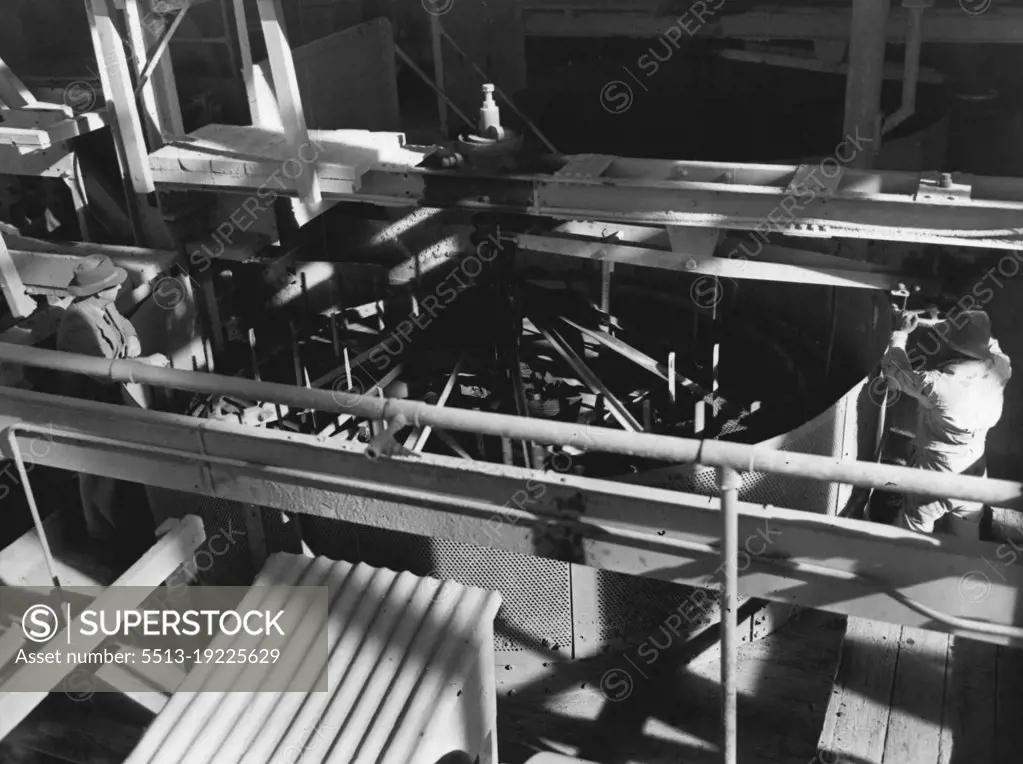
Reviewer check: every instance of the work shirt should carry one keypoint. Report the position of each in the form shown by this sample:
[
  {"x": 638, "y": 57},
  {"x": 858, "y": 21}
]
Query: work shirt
[
  {"x": 90, "y": 328},
  {"x": 957, "y": 403}
]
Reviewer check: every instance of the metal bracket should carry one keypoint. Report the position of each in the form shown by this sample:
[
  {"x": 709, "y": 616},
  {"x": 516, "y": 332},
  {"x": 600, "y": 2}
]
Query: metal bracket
[
  {"x": 811, "y": 174},
  {"x": 697, "y": 243},
  {"x": 940, "y": 187},
  {"x": 586, "y": 166},
  {"x": 808, "y": 230}
]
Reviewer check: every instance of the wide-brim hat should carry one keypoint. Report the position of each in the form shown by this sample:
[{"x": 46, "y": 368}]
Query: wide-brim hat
[
  {"x": 969, "y": 331},
  {"x": 94, "y": 274}
]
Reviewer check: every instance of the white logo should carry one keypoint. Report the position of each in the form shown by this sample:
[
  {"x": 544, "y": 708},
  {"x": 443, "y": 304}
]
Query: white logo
[{"x": 40, "y": 623}]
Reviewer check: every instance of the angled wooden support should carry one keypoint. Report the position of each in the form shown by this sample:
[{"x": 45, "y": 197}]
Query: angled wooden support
[
  {"x": 12, "y": 91},
  {"x": 147, "y": 221},
  {"x": 416, "y": 441},
  {"x": 282, "y": 66},
  {"x": 44, "y": 126},
  {"x": 22, "y": 564},
  {"x": 20, "y": 304},
  {"x": 162, "y": 44},
  {"x": 159, "y": 91},
  {"x": 130, "y": 590},
  {"x": 591, "y": 380},
  {"x": 248, "y": 71}
]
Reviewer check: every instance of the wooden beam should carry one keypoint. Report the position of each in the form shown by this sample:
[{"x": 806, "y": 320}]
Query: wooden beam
[
  {"x": 591, "y": 380},
  {"x": 151, "y": 689},
  {"x": 970, "y": 703},
  {"x": 12, "y": 90},
  {"x": 22, "y": 564},
  {"x": 794, "y": 557},
  {"x": 914, "y": 725},
  {"x": 248, "y": 72},
  {"x": 1009, "y": 703},
  {"x": 18, "y": 302},
  {"x": 160, "y": 93},
  {"x": 42, "y": 129},
  {"x": 132, "y": 154},
  {"x": 53, "y": 162},
  {"x": 117, "y": 89},
  {"x": 260, "y": 162},
  {"x": 271, "y": 15},
  {"x": 857, "y": 716},
  {"x": 129, "y": 591}
]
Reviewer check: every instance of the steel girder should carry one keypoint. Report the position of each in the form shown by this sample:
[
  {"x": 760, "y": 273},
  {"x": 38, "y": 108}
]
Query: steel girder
[
  {"x": 817, "y": 201},
  {"x": 844, "y": 566},
  {"x": 763, "y": 199}
]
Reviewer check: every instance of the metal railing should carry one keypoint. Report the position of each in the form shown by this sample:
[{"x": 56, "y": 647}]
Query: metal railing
[{"x": 730, "y": 458}]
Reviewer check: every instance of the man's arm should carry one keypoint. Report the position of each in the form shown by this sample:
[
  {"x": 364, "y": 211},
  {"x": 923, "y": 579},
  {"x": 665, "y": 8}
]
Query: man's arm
[
  {"x": 1003, "y": 367},
  {"x": 899, "y": 372}
]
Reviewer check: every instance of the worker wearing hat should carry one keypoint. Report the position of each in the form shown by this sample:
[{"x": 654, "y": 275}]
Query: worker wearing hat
[
  {"x": 93, "y": 326},
  {"x": 959, "y": 400}
]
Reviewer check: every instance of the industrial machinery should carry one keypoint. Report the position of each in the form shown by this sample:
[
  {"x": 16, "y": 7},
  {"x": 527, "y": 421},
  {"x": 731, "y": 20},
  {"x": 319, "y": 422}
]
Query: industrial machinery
[{"x": 586, "y": 388}]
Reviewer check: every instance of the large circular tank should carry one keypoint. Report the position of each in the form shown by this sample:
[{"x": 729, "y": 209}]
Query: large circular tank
[{"x": 804, "y": 353}]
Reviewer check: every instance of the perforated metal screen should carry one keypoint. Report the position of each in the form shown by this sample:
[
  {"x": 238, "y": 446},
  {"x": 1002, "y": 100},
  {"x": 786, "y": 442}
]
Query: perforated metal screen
[
  {"x": 632, "y": 608},
  {"x": 537, "y": 605}
]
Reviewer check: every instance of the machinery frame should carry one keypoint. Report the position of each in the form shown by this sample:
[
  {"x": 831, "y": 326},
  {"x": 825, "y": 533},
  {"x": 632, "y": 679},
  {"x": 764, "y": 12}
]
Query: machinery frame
[{"x": 845, "y": 566}]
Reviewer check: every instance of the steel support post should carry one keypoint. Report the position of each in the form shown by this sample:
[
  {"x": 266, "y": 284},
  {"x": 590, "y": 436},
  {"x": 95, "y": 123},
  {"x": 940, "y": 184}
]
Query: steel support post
[
  {"x": 729, "y": 482},
  {"x": 866, "y": 74}
]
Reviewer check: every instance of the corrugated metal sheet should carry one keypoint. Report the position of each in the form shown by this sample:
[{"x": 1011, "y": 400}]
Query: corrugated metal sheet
[{"x": 404, "y": 653}]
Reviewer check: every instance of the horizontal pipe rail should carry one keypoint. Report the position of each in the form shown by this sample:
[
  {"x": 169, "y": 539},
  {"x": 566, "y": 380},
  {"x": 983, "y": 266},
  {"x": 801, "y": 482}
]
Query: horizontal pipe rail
[
  {"x": 909, "y": 573},
  {"x": 481, "y": 508},
  {"x": 739, "y": 456}
]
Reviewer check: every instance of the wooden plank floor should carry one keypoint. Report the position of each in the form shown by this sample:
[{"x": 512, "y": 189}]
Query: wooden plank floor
[
  {"x": 673, "y": 714},
  {"x": 901, "y": 696},
  {"x": 911, "y": 696},
  {"x": 785, "y": 680}
]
